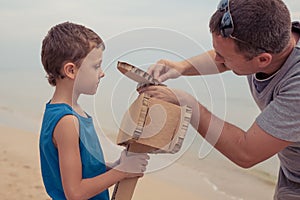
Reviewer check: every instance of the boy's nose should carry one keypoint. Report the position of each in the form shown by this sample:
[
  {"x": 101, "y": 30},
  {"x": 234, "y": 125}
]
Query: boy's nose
[{"x": 101, "y": 74}]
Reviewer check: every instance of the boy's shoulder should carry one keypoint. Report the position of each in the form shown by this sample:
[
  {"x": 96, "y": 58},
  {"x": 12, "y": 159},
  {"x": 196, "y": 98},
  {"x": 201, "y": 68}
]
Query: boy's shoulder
[
  {"x": 54, "y": 111},
  {"x": 58, "y": 107}
]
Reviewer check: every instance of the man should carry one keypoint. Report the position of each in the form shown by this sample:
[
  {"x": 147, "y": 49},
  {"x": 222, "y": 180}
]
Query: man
[{"x": 254, "y": 38}]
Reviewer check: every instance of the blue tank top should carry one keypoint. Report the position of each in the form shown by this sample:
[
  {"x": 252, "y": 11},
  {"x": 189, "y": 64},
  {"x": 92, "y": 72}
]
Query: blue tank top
[{"x": 92, "y": 158}]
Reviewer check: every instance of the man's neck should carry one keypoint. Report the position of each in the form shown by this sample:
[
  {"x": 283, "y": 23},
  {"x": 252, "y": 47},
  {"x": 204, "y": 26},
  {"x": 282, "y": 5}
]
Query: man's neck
[
  {"x": 280, "y": 58},
  {"x": 296, "y": 37}
]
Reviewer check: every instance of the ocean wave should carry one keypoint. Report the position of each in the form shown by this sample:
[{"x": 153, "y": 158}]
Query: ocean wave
[
  {"x": 18, "y": 119},
  {"x": 216, "y": 189}
]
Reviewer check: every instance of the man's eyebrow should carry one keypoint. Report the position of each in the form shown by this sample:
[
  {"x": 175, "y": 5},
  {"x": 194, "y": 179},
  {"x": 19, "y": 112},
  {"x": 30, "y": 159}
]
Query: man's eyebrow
[{"x": 218, "y": 54}]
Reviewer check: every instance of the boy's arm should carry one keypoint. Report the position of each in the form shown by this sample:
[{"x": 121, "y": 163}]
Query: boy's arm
[
  {"x": 111, "y": 165},
  {"x": 66, "y": 138}
]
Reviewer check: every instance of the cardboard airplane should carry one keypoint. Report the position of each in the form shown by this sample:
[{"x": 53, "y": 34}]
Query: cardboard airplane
[{"x": 149, "y": 126}]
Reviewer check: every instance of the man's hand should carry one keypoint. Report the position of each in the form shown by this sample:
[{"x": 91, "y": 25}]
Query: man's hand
[
  {"x": 165, "y": 69},
  {"x": 175, "y": 96}
]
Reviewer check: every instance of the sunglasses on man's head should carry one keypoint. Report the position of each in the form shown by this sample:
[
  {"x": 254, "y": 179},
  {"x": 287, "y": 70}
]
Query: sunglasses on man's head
[{"x": 226, "y": 24}]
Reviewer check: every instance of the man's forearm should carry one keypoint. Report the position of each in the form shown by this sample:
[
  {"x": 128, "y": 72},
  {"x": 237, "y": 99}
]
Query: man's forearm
[
  {"x": 203, "y": 64},
  {"x": 225, "y": 137}
]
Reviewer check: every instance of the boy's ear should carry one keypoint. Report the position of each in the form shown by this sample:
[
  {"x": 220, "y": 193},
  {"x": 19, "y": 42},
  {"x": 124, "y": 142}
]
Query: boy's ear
[{"x": 70, "y": 70}]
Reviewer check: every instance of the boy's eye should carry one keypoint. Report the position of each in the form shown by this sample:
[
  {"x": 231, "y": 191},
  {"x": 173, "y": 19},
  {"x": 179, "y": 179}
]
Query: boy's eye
[{"x": 97, "y": 66}]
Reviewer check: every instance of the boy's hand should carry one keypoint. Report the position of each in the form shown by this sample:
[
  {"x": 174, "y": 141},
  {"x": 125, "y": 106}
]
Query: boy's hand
[{"x": 133, "y": 164}]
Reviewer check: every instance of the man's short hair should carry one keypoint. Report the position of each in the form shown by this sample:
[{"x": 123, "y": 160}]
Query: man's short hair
[{"x": 261, "y": 23}]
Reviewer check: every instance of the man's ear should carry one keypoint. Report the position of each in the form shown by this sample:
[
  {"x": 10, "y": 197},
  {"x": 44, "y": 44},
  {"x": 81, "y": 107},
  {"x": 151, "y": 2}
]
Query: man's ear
[
  {"x": 264, "y": 60},
  {"x": 70, "y": 70}
]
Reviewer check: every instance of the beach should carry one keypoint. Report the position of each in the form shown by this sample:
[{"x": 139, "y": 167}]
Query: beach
[
  {"x": 21, "y": 178},
  {"x": 19, "y": 166}
]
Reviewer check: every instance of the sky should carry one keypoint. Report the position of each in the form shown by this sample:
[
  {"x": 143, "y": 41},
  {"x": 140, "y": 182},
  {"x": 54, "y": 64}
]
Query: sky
[{"x": 25, "y": 23}]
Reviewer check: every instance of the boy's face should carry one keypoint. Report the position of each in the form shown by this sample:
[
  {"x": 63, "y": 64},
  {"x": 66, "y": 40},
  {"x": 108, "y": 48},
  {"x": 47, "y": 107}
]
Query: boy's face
[{"x": 89, "y": 73}]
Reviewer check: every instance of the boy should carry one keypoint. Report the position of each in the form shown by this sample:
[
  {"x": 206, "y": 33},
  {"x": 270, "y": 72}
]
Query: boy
[{"x": 71, "y": 157}]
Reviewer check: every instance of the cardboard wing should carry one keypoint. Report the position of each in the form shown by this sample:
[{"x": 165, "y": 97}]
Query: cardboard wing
[{"x": 141, "y": 77}]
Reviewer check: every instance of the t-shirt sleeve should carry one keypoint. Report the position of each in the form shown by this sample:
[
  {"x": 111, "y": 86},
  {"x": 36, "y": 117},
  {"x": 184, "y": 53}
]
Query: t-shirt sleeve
[{"x": 281, "y": 118}]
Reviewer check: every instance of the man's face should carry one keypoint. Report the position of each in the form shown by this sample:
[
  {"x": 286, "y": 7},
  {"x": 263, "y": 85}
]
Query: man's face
[{"x": 227, "y": 54}]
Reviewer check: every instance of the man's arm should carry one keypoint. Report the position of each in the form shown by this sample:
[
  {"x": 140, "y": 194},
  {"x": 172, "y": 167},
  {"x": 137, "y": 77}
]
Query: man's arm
[
  {"x": 243, "y": 148},
  {"x": 202, "y": 64}
]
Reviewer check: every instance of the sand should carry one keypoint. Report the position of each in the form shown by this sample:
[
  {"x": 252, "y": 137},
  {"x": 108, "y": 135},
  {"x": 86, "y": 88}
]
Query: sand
[
  {"x": 21, "y": 177},
  {"x": 19, "y": 166}
]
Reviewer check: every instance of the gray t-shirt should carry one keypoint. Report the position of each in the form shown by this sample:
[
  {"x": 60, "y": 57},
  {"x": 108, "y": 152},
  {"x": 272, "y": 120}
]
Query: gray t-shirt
[{"x": 279, "y": 100}]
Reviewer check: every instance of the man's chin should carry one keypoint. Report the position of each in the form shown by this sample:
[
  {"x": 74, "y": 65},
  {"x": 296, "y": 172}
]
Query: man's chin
[{"x": 239, "y": 73}]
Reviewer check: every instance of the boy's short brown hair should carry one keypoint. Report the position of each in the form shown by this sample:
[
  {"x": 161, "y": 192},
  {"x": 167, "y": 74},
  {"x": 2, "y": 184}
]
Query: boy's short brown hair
[{"x": 67, "y": 42}]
